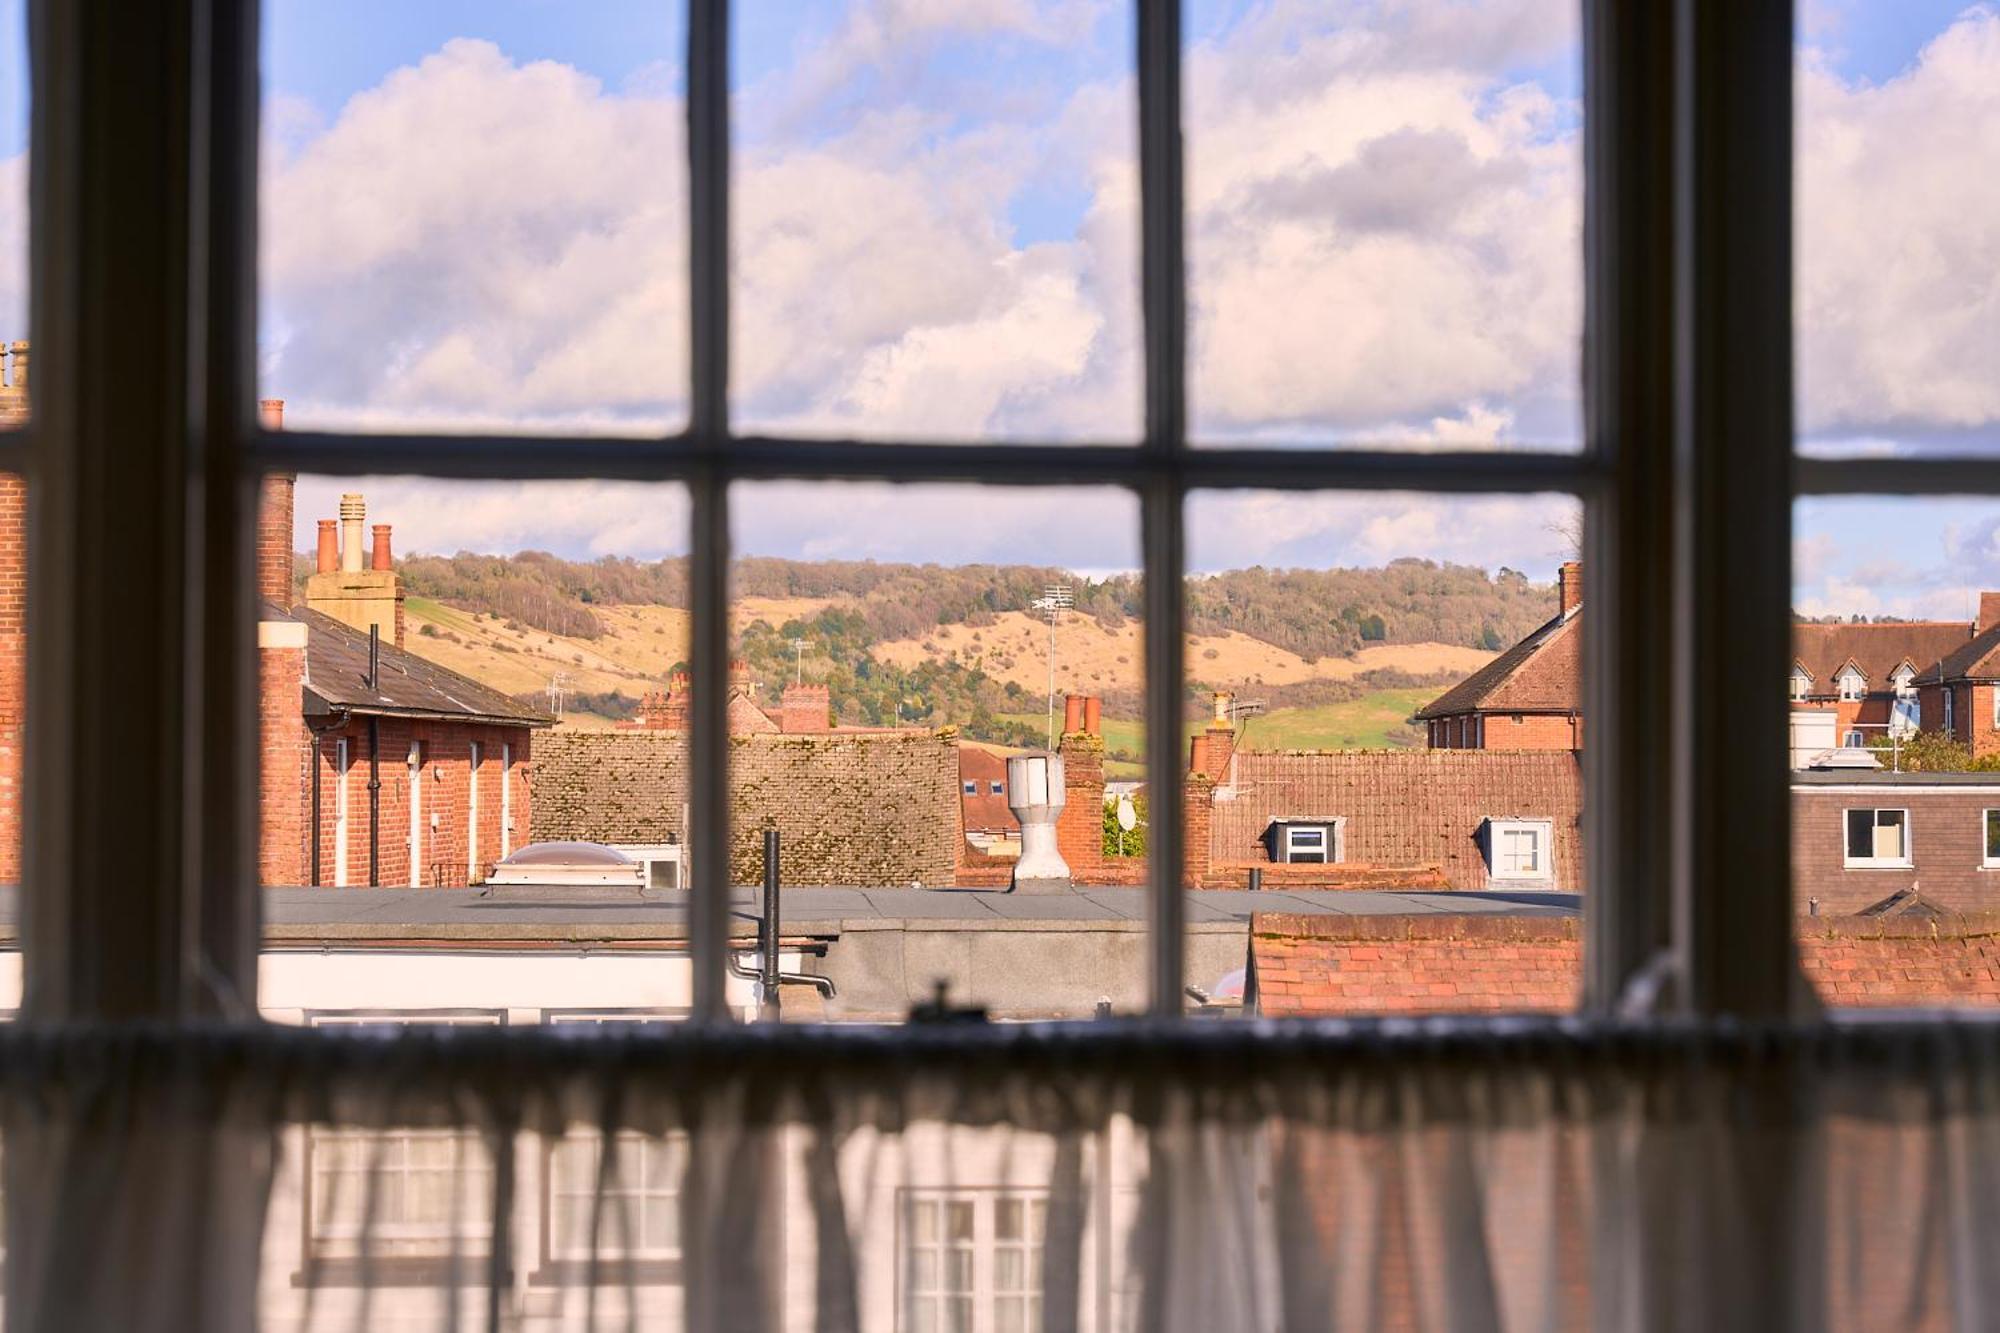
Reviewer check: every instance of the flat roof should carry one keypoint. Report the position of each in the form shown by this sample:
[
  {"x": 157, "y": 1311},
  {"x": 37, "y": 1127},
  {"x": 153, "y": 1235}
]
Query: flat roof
[{"x": 1870, "y": 777}]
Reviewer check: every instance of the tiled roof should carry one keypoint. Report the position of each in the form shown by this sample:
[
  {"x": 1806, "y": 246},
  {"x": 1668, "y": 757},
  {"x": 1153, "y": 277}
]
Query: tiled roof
[
  {"x": 1974, "y": 659},
  {"x": 984, "y": 812},
  {"x": 407, "y": 685},
  {"x": 1877, "y": 649},
  {"x": 1406, "y": 807},
  {"x": 1537, "y": 675}
]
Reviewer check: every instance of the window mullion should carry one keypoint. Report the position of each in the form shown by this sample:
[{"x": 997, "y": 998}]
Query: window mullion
[
  {"x": 1732, "y": 462},
  {"x": 1163, "y": 289},
  {"x": 708, "y": 553}
]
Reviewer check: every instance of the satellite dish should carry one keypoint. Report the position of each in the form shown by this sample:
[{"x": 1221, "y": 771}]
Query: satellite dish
[{"x": 1128, "y": 818}]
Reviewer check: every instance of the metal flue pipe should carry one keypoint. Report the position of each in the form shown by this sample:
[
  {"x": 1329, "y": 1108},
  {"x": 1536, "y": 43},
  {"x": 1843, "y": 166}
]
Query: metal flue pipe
[{"x": 767, "y": 929}]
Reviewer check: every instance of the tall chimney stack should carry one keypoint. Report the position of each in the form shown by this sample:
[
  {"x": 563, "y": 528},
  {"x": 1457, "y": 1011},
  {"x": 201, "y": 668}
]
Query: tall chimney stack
[
  {"x": 1989, "y": 612},
  {"x": 1569, "y": 584},
  {"x": 353, "y": 512},
  {"x": 379, "y": 558},
  {"x": 329, "y": 547}
]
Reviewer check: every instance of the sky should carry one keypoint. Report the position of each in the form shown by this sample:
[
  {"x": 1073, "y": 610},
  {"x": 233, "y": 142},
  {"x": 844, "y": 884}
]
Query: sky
[{"x": 473, "y": 216}]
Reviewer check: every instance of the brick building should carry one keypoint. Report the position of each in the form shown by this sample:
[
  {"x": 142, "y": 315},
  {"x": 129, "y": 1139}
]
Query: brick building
[
  {"x": 982, "y": 780},
  {"x": 1905, "y": 842},
  {"x": 1868, "y": 675},
  {"x": 1961, "y": 693},
  {"x": 1861, "y": 681},
  {"x": 377, "y": 766},
  {"x": 13, "y": 613},
  {"x": 1529, "y": 697}
]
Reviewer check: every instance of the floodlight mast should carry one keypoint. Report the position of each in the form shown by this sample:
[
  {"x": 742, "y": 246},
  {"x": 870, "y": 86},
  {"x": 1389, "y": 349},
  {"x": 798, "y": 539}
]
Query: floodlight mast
[{"x": 1056, "y": 598}]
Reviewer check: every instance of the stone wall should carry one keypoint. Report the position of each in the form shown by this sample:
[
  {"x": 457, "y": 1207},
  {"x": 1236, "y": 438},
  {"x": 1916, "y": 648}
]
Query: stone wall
[{"x": 874, "y": 809}]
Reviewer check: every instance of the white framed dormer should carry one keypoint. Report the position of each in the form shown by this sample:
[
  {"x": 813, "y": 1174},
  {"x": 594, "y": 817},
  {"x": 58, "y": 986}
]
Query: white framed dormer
[
  {"x": 1802, "y": 683},
  {"x": 1875, "y": 838},
  {"x": 1904, "y": 681},
  {"x": 1309, "y": 840},
  {"x": 1520, "y": 851},
  {"x": 1851, "y": 683}
]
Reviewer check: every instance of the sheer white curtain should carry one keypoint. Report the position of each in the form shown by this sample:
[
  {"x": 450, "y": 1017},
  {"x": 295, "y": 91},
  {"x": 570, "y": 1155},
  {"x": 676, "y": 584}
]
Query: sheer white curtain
[{"x": 1543, "y": 1175}]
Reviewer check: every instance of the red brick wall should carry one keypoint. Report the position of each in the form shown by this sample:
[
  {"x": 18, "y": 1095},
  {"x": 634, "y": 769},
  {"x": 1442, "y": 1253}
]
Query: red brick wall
[
  {"x": 1946, "y": 840},
  {"x": 13, "y": 667},
  {"x": 1533, "y": 731},
  {"x": 284, "y": 760},
  {"x": 274, "y": 540},
  {"x": 1080, "y": 826},
  {"x": 446, "y": 795},
  {"x": 1308, "y": 966}
]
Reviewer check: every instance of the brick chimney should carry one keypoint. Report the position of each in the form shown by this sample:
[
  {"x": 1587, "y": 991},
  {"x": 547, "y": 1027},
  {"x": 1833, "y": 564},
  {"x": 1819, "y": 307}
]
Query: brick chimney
[
  {"x": 13, "y": 661},
  {"x": 358, "y": 595},
  {"x": 1989, "y": 612},
  {"x": 274, "y": 540},
  {"x": 13, "y": 384},
  {"x": 328, "y": 559},
  {"x": 1210, "y": 752},
  {"x": 1569, "y": 585},
  {"x": 379, "y": 559},
  {"x": 805, "y": 710}
]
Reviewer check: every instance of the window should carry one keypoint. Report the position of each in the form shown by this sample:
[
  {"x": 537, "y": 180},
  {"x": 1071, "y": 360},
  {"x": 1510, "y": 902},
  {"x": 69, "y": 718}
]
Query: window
[
  {"x": 415, "y": 765},
  {"x": 1994, "y": 693},
  {"x": 971, "y": 787},
  {"x": 1519, "y": 848},
  {"x": 1990, "y": 858},
  {"x": 1905, "y": 681},
  {"x": 1801, "y": 685},
  {"x": 472, "y": 815},
  {"x": 1853, "y": 739},
  {"x": 972, "y": 1261},
  {"x": 639, "y": 1217},
  {"x": 1950, "y": 710},
  {"x": 1318, "y": 844},
  {"x": 998, "y": 788},
  {"x": 415, "y": 1194},
  {"x": 1853, "y": 685},
  {"x": 1877, "y": 839},
  {"x": 341, "y": 783},
  {"x": 506, "y": 798}
]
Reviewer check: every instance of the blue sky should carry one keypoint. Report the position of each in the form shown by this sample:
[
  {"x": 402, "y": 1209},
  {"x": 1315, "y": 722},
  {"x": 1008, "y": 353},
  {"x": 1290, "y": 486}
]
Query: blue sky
[{"x": 963, "y": 84}]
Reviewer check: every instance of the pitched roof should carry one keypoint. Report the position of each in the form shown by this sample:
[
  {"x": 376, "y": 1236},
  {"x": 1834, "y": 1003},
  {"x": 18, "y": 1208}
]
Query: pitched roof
[
  {"x": 1877, "y": 649},
  {"x": 1405, "y": 807},
  {"x": 1537, "y": 675},
  {"x": 984, "y": 812},
  {"x": 407, "y": 685},
  {"x": 1974, "y": 659}
]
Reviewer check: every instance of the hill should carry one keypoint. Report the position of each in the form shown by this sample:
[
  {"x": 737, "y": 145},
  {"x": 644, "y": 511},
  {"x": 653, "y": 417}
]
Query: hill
[{"x": 934, "y": 644}]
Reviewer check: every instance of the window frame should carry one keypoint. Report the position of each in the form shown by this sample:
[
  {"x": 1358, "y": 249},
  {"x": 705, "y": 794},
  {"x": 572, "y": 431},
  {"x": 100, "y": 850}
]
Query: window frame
[
  {"x": 1687, "y": 475},
  {"x": 984, "y": 1293},
  {"x": 1544, "y": 831},
  {"x": 1908, "y": 860},
  {"x": 1987, "y": 860}
]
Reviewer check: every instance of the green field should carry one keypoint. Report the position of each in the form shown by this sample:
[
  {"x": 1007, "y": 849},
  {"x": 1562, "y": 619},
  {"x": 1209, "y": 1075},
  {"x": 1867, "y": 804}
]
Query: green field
[{"x": 1355, "y": 724}]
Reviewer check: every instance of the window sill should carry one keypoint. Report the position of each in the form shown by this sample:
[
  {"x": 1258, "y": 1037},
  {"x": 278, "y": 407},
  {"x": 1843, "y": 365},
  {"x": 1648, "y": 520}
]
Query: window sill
[
  {"x": 1878, "y": 865},
  {"x": 468, "y": 1270}
]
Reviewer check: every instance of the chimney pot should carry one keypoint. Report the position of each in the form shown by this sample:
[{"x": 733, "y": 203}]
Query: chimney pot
[
  {"x": 379, "y": 559},
  {"x": 329, "y": 547},
  {"x": 1093, "y": 714},
  {"x": 1569, "y": 585},
  {"x": 1989, "y": 611},
  {"x": 353, "y": 512},
  {"x": 271, "y": 413},
  {"x": 1072, "y": 713},
  {"x": 18, "y": 377},
  {"x": 1223, "y": 698}
]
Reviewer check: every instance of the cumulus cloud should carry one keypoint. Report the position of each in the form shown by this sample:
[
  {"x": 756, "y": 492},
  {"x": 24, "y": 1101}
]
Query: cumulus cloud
[
  {"x": 13, "y": 247},
  {"x": 580, "y": 520},
  {"x": 1320, "y": 530},
  {"x": 1899, "y": 240}
]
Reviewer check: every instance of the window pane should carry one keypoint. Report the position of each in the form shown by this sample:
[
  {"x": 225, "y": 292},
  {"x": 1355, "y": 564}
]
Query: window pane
[
  {"x": 527, "y": 637},
  {"x": 1892, "y": 837},
  {"x": 1384, "y": 752},
  {"x": 893, "y": 643},
  {"x": 474, "y": 216},
  {"x": 1897, "y": 221},
  {"x": 935, "y": 214},
  {"x": 1384, "y": 223},
  {"x": 14, "y": 94}
]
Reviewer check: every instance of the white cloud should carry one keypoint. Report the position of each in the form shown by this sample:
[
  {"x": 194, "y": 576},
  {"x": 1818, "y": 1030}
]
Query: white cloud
[
  {"x": 579, "y": 520},
  {"x": 1229, "y": 530},
  {"x": 1898, "y": 200},
  {"x": 13, "y": 247}
]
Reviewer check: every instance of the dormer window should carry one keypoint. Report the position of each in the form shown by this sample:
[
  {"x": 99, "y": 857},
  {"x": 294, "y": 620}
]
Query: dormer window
[
  {"x": 1905, "y": 681},
  {"x": 1853, "y": 685},
  {"x": 1801, "y": 684}
]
